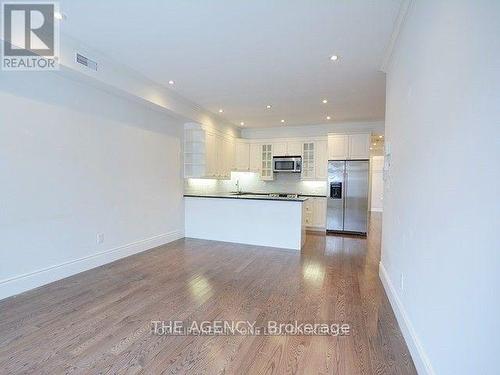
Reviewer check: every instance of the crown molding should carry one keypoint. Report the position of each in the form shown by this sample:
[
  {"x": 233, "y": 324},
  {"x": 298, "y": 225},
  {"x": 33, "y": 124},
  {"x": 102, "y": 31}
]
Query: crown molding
[{"x": 403, "y": 12}]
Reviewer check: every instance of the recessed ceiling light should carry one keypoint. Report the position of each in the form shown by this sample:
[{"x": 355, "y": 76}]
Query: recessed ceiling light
[
  {"x": 221, "y": 110},
  {"x": 325, "y": 101},
  {"x": 242, "y": 123},
  {"x": 268, "y": 106},
  {"x": 171, "y": 82},
  {"x": 328, "y": 118},
  {"x": 282, "y": 121},
  {"x": 334, "y": 57},
  {"x": 381, "y": 136},
  {"x": 374, "y": 144}
]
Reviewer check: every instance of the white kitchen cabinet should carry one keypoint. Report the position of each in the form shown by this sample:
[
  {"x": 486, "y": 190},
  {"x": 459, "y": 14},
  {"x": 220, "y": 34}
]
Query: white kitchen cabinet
[
  {"x": 279, "y": 149},
  {"x": 308, "y": 164},
  {"x": 338, "y": 146},
  {"x": 211, "y": 156},
  {"x": 294, "y": 148},
  {"x": 226, "y": 157},
  {"x": 314, "y": 153},
  {"x": 319, "y": 212},
  {"x": 348, "y": 146},
  {"x": 359, "y": 146},
  {"x": 195, "y": 163},
  {"x": 308, "y": 212},
  {"x": 266, "y": 168},
  {"x": 207, "y": 154},
  {"x": 315, "y": 213},
  {"x": 255, "y": 157},
  {"x": 218, "y": 157},
  {"x": 242, "y": 156},
  {"x": 321, "y": 160}
]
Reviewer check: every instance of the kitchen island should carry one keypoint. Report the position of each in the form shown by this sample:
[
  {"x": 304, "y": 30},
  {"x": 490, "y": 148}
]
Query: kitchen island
[{"x": 247, "y": 218}]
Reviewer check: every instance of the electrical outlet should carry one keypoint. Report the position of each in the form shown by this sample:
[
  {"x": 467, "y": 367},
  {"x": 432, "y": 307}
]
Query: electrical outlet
[
  {"x": 100, "y": 238},
  {"x": 402, "y": 282}
]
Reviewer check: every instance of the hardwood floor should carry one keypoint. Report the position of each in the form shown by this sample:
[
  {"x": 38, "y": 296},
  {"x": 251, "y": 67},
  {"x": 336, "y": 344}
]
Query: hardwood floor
[{"x": 99, "y": 321}]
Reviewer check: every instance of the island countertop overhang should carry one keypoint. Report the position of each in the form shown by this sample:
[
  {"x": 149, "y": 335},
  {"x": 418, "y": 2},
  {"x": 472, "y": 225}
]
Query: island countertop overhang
[{"x": 262, "y": 197}]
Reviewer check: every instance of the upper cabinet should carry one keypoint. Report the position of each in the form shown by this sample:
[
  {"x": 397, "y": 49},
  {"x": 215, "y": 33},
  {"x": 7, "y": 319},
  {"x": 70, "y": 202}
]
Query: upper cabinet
[
  {"x": 314, "y": 160},
  {"x": 212, "y": 154},
  {"x": 242, "y": 156},
  {"x": 359, "y": 146},
  {"x": 195, "y": 152},
  {"x": 308, "y": 161},
  {"x": 279, "y": 149},
  {"x": 207, "y": 154},
  {"x": 255, "y": 157},
  {"x": 321, "y": 160},
  {"x": 266, "y": 170},
  {"x": 227, "y": 155},
  {"x": 212, "y": 143},
  {"x": 338, "y": 147},
  {"x": 348, "y": 146},
  {"x": 294, "y": 148}
]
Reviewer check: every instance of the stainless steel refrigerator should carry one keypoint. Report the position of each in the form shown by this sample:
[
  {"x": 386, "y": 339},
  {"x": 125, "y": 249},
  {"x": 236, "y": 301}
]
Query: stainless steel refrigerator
[{"x": 347, "y": 210}]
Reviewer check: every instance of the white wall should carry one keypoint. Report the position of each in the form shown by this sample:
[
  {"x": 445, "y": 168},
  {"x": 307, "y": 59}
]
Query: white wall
[
  {"x": 76, "y": 161},
  {"x": 377, "y": 183},
  {"x": 441, "y": 205},
  {"x": 313, "y": 130}
]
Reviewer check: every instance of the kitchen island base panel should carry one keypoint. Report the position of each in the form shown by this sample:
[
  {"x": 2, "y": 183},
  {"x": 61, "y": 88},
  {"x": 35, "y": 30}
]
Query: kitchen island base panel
[{"x": 252, "y": 222}]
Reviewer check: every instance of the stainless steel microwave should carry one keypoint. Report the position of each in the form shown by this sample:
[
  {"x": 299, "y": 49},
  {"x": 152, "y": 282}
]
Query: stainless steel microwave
[{"x": 291, "y": 164}]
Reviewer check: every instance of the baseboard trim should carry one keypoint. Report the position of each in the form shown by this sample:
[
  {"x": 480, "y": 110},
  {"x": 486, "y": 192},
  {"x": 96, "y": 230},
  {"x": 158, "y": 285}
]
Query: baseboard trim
[
  {"x": 420, "y": 358},
  {"x": 22, "y": 283}
]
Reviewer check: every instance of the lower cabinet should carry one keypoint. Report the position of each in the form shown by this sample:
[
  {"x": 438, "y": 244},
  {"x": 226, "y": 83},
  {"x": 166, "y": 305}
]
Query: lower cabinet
[{"x": 315, "y": 213}]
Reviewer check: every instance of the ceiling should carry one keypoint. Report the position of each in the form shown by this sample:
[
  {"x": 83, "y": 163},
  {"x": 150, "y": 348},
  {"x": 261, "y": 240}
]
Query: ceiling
[{"x": 240, "y": 55}]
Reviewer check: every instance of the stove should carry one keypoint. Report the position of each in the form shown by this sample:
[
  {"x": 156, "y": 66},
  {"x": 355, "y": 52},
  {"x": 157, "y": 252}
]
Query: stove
[{"x": 283, "y": 195}]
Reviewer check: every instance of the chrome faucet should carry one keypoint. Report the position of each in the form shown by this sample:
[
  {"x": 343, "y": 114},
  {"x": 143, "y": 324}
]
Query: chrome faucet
[{"x": 238, "y": 186}]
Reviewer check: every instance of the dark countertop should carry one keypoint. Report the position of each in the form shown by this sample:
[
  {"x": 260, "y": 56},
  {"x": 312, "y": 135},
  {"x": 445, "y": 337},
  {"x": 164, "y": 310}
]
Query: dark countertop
[{"x": 260, "y": 197}]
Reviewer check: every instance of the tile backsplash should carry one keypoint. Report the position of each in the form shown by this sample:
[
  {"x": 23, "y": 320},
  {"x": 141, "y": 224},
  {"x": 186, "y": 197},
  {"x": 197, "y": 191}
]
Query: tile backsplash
[{"x": 251, "y": 182}]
